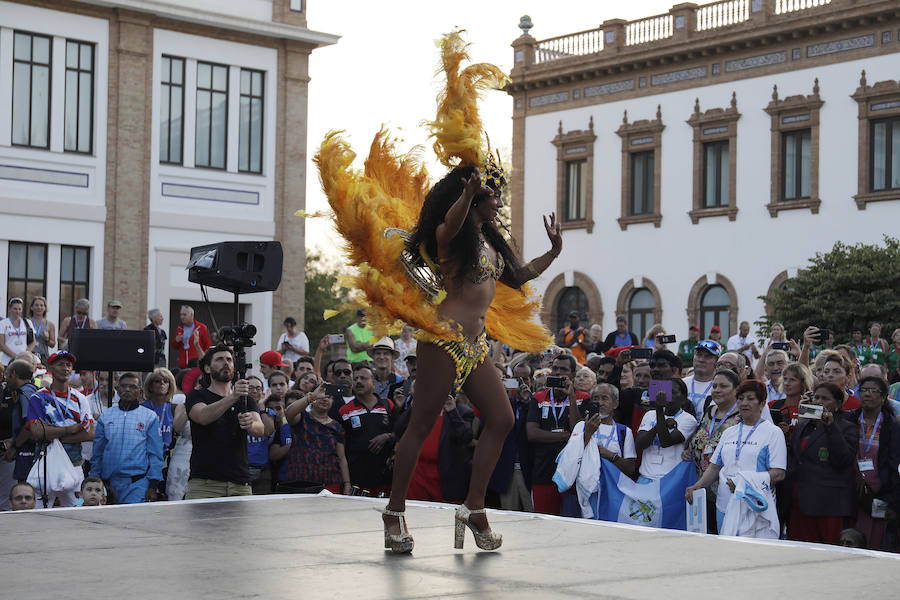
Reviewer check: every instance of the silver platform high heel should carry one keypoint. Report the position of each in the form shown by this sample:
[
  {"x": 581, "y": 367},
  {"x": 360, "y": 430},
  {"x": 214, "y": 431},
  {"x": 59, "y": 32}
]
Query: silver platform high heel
[
  {"x": 401, "y": 543},
  {"x": 485, "y": 541}
]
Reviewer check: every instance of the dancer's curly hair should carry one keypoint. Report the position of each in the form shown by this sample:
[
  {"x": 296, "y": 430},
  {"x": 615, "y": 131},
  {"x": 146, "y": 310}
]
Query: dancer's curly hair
[{"x": 465, "y": 246}]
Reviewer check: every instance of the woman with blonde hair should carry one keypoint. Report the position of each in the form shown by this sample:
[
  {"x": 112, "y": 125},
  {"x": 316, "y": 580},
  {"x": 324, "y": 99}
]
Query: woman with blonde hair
[
  {"x": 650, "y": 338},
  {"x": 159, "y": 387}
]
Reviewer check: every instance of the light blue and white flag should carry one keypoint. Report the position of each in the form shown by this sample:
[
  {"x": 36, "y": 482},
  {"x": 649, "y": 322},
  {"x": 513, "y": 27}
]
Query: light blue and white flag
[{"x": 647, "y": 502}]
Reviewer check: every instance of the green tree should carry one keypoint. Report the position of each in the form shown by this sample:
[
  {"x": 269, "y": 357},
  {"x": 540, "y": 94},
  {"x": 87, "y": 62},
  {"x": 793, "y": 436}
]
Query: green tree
[
  {"x": 323, "y": 292},
  {"x": 848, "y": 287}
]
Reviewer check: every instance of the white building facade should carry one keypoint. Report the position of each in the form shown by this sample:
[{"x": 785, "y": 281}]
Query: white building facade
[
  {"x": 698, "y": 159},
  {"x": 132, "y": 131}
]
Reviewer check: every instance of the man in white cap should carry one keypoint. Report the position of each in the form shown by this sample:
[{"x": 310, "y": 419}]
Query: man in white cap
[{"x": 383, "y": 354}]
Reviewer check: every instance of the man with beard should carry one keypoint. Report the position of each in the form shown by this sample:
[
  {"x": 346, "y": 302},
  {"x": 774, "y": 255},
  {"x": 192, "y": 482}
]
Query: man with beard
[
  {"x": 368, "y": 426},
  {"x": 128, "y": 449},
  {"x": 222, "y": 416}
]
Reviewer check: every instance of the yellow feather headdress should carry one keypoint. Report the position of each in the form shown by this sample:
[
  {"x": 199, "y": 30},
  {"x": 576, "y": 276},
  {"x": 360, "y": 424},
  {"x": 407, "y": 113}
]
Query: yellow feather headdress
[{"x": 369, "y": 206}]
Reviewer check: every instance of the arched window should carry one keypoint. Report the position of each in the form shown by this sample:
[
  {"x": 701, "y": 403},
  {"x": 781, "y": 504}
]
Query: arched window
[
  {"x": 571, "y": 298},
  {"x": 714, "y": 306},
  {"x": 641, "y": 305}
]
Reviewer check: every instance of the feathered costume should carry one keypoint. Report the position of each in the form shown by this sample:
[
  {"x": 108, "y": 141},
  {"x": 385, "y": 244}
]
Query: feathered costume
[{"x": 374, "y": 209}]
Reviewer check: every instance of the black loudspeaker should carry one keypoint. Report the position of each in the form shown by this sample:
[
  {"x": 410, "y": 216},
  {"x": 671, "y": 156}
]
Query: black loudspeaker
[
  {"x": 113, "y": 350},
  {"x": 238, "y": 267}
]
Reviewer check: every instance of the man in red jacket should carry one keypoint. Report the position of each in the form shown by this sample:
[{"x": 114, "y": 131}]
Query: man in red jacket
[{"x": 191, "y": 338}]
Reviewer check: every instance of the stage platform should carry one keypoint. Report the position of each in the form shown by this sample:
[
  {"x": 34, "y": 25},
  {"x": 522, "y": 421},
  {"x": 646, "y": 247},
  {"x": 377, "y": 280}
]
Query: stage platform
[{"x": 330, "y": 547}]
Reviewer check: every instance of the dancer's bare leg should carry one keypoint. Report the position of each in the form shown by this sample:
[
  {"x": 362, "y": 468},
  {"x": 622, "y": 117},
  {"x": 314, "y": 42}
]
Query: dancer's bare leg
[
  {"x": 485, "y": 389},
  {"x": 434, "y": 380}
]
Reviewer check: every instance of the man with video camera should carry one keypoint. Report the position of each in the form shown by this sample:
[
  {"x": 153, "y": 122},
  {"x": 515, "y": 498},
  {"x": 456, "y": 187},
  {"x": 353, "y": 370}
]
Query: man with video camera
[{"x": 222, "y": 416}]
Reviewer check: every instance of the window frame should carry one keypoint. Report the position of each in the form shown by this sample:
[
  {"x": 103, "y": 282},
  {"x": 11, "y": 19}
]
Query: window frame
[
  {"x": 715, "y": 125},
  {"x": 716, "y": 309},
  {"x": 789, "y": 115},
  {"x": 877, "y": 102},
  {"x": 717, "y": 146},
  {"x": 262, "y": 122},
  {"x": 78, "y": 71},
  {"x": 641, "y": 136},
  {"x": 211, "y": 91},
  {"x": 73, "y": 282},
  {"x": 699, "y": 289},
  {"x": 31, "y": 63},
  {"x": 893, "y": 122},
  {"x": 647, "y": 315},
  {"x": 798, "y": 135},
  {"x": 575, "y": 146},
  {"x": 166, "y": 95},
  {"x": 26, "y": 280}
]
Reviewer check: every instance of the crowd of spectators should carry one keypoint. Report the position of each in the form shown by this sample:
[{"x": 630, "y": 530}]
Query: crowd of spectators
[{"x": 328, "y": 417}]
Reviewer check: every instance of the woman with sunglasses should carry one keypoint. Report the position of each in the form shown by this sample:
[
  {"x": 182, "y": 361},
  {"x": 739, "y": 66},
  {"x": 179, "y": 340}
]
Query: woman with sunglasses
[{"x": 877, "y": 458}]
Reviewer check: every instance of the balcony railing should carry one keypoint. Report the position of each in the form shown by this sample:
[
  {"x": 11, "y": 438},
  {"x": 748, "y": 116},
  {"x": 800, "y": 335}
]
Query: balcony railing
[
  {"x": 788, "y": 6},
  {"x": 722, "y": 14},
  {"x": 574, "y": 44},
  {"x": 651, "y": 29},
  {"x": 682, "y": 22}
]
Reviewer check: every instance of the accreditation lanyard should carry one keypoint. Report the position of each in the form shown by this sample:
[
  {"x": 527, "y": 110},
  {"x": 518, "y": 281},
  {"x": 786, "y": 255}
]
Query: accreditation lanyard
[
  {"x": 705, "y": 392},
  {"x": 740, "y": 444},
  {"x": 62, "y": 411},
  {"x": 862, "y": 431},
  {"x": 562, "y": 407},
  {"x": 606, "y": 439},
  {"x": 773, "y": 392},
  {"x": 716, "y": 425}
]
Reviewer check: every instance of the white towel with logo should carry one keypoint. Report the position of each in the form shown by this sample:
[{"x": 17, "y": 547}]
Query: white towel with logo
[
  {"x": 751, "y": 509},
  {"x": 579, "y": 465}
]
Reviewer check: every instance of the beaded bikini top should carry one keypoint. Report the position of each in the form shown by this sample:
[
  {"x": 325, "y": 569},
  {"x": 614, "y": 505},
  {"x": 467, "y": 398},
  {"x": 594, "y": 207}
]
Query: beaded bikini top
[{"x": 485, "y": 269}]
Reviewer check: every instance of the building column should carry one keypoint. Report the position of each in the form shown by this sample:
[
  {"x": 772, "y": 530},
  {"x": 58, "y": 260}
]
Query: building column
[
  {"x": 126, "y": 234},
  {"x": 290, "y": 183}
]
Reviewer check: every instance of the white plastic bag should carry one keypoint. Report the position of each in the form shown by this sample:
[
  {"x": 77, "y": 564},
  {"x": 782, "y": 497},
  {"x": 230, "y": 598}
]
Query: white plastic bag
[{"x": 61, "y": 475}]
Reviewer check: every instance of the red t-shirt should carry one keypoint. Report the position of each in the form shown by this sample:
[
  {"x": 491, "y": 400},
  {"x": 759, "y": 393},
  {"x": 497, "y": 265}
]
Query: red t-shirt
[{"x": 429, "y": 452}]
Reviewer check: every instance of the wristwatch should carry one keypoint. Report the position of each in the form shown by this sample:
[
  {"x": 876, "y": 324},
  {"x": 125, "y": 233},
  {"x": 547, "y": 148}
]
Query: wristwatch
[{"x": 615, "y": 458}]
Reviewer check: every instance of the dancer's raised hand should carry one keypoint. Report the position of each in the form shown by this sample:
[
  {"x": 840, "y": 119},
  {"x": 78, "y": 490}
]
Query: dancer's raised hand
[{"x": 552, "y": 227}]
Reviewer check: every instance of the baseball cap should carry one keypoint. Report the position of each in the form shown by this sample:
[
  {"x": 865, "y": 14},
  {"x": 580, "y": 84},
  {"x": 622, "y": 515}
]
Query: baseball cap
[
  {"x": 61, "y": 354},
  {"x": 715, "y": 329},
  {"x": 693, "y": 328},
  {"x": 273, "y": 358},
  {"x": 114, "y": 303},
  {"x": 710, "y": 346}
]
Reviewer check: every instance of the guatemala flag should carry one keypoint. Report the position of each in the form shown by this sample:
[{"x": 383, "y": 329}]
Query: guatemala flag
[{"x": 647, "y": 502}]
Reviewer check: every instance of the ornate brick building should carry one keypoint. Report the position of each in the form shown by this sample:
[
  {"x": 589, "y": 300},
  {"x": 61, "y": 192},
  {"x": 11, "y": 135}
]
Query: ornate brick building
[
  {"x": 132, "y": 130},
  {"x": 699, "y": 157}
]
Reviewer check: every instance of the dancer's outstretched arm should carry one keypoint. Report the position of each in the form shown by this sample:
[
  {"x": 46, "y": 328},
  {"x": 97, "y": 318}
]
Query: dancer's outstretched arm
[{"x": 540, "y": 264}]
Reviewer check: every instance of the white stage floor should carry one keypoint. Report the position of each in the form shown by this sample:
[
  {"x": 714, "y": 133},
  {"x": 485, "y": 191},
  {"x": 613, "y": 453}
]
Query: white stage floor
[{"x": 330, "y": 547}]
